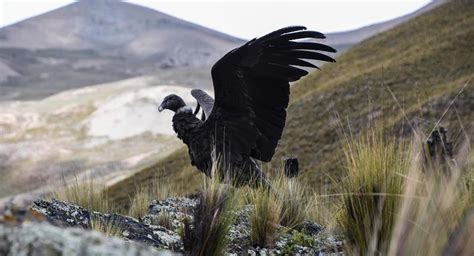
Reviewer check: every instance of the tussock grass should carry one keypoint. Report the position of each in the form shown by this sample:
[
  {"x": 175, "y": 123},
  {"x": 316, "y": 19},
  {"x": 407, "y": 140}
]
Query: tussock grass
[
  {"x": 265, "y": 216},
  {"x": 324, "y": 207},
  {"x": 85, "y": 192},
  {"x": 294, "y": 200},
  {"x": 213, "y": 218},
  {"x": 155, "y": 189},
  {"x": 164, "y": 219},
  {"x": 140, "y": 204},
  {"x": 372, "y": 191},
  {"x": 432, "y": 209},
  {"x": 392, "y": 204},
  {"x": 109, "y": 228}
]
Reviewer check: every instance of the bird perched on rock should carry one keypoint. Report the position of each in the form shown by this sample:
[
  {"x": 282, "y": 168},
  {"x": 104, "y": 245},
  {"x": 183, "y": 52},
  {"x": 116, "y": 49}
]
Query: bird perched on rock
[{"x": 251, "y": 85}]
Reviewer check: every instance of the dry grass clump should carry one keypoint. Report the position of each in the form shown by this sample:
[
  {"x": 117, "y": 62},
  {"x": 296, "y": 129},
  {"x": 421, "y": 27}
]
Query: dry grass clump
[
  {"x": 294, "y": 200},
  {"x": 164, "y": 219},
  {"x": 372, "y": 191},
  {"x": 85, "y": 192},
  {"x": 155, "y": 189},
  {"x": 433, "y": 207},
  {"x": 392, "y": 204},
  {"x": 265, "y": 216},
  {"x": 109, "y": 228},
  {"x": 213, "y": 218}
]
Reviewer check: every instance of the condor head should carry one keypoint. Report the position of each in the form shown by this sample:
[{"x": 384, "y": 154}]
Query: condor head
[{"x": 172, "y": 102}]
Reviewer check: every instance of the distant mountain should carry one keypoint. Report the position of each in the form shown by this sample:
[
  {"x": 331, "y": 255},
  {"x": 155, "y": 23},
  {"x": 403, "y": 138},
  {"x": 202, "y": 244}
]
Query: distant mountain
[
  {"x": 343, "y": 40},
  {"x": 97, "y": 41}
]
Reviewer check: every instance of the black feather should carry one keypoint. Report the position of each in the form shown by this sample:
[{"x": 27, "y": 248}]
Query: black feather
[
  {"x": 309, "y": 55},
  {"x": 251, "y": 86},
  {"x": 306, "y": 46},
  {"x": 297, "y": 35},
  {"x": 281, "y": 32}
]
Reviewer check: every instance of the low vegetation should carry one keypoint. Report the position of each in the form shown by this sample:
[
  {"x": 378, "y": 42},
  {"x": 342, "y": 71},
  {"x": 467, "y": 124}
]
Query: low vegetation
[
  {"x": 294, "y": 199},
  {"x": 154, "y": 189},
  {"x": 376, "y": 186},
  {"x": 396, "y": 200},
  {"x": 265, "y": 216},
  {"x": 425, "y": 62},
  {"x": 373, "y": 190},
  {"x": 392, "y": 197},
  {"x": 85, "y": 192},
  {"x": 109, "y": 228},
  {"x": 213, "y": 218}
]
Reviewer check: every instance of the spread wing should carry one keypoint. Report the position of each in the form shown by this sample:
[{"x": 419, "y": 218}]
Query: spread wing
[
  {"x": 204, "y": 100},
  {"x": 251, "y": 87}
]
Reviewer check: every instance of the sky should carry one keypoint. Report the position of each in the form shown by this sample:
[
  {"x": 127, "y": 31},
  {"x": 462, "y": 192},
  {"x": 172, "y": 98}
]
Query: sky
[{"x": 246, "y": 18}]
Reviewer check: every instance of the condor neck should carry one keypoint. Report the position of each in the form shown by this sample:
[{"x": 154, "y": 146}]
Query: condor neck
[{"x": 184, "y": 122}]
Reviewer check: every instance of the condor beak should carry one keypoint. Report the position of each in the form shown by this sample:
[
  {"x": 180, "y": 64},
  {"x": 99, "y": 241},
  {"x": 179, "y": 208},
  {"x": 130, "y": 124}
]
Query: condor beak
[{"x": 160, "y": 108}]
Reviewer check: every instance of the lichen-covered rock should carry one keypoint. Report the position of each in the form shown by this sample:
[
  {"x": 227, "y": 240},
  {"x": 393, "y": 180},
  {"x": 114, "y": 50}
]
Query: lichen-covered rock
[
  {"x": 42, "y": 239},
  {"x": 61, "y": 213},
  {"x": 175, "y": 209},
  {"x": 165, "y": 219}
]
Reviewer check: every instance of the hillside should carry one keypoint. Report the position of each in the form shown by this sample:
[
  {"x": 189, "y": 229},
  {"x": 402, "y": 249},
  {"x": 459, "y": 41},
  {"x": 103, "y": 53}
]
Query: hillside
[
  {"x": 344, "y": 40},
  {"x": 108, "y": 129},
  {"x": 425, "y": 62},
  {"x": 96, "y": 41}
]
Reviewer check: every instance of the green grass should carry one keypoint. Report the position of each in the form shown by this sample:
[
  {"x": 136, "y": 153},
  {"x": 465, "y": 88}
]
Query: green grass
[{"x": 371, "y": 194}]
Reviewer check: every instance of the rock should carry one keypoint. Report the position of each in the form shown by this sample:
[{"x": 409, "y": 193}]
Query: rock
[
  {"x": 62, "y": 214},
  {"x": 311, "y": 229},
  {"x": 165, "y": 221},
  {"x": 43, "y": 239},
  {"x": 175, "y": 209}
]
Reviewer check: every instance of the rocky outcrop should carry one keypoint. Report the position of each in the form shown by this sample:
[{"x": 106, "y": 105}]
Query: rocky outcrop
[
  {"x": 64, "y": 214},
  {"x": 57, "y": 227},
  {"x": 42, "y": 239}
]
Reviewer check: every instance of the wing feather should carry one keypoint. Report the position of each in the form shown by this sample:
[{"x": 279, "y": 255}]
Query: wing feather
[
  {"x": 204, "y": 100},
  {"x": 251, "y": 87}
]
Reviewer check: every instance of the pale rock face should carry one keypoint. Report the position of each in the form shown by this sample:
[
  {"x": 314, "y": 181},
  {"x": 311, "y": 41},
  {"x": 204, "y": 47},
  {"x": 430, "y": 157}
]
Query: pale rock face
[
  {"x": 44, "y": 239},
  {"x": 133, "y": 113},
  {"x": 108, "y": 129}
]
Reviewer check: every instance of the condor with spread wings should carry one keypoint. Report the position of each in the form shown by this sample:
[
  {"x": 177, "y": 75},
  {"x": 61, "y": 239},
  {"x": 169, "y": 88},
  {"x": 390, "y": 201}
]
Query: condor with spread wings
[{"x": 251, "y": 88}]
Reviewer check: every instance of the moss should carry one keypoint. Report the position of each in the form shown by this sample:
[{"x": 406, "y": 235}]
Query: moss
[{"x": 297, "y": 239}]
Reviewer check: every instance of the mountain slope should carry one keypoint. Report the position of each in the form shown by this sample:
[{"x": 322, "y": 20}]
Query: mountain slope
[
  {"x": 109, "y": 130},
  {"x": 97, "y": 41},
  {"x": 425, "y": 62},
  {"x": 343, "y": 40}
]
